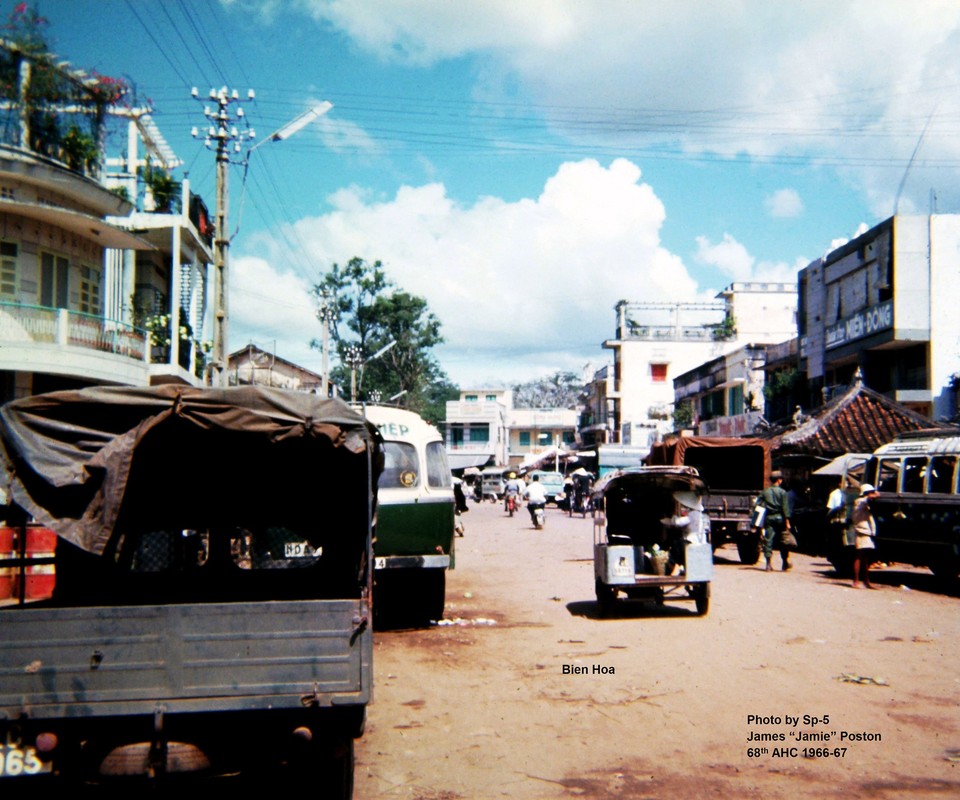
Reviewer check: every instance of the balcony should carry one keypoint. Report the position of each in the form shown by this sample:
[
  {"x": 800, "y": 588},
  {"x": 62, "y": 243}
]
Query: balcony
[
  {"x": 19, "y": 322},
  {"x": 71, "y": 343}
]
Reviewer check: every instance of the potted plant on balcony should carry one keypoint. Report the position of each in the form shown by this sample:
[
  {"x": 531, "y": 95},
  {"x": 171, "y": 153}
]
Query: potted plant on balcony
[
  {"x": 80, "y": 150},
  {"x": 162, "y": 186},
  {"x": 49, "y": 93}
]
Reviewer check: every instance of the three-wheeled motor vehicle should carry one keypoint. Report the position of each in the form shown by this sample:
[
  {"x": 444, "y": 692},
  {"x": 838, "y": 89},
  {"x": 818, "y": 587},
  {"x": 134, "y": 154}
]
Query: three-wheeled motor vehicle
[{"x": 651, "y": 537}]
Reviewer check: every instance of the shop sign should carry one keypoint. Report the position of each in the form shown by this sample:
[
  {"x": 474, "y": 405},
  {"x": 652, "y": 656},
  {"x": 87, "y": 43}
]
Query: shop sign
[{"x": 864, "y": 323}]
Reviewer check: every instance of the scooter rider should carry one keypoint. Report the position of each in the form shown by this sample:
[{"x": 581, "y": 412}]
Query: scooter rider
[
  {"x": 536, "y": 496},
  {"x": 514, "y": 487}
]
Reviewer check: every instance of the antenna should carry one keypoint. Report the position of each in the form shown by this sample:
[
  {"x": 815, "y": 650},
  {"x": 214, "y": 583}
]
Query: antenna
[{"x": 903, "y": 180}]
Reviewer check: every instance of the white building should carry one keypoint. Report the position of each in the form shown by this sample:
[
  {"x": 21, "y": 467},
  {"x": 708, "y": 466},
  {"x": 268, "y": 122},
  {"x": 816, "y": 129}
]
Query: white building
[
  {"x": 656, "y": 342},
  {"x": 69, "y": 272},
  {"x": 540, "y": 431},
  {"x": 886, "y": 302},
  {"x": 477, "y": 428}
]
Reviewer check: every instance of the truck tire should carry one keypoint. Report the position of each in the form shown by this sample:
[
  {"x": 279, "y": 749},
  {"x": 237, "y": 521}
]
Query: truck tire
[
  {"x": 336, "y": 772},
  {"x": 433, "y": 594},
  {"x": 701, "y": 596},
  {"x": 606, "y": 596},
  {"x": 409, "y": 597},
  {"x": 328, "y": 769},
  {"x": 748, "y": 548},
  {"x": 841, "y": 559},
  {"x": 947, "y": 570}
]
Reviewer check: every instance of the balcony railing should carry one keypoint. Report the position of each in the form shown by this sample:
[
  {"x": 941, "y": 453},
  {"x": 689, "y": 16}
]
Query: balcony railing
[
  {"x": 673, "y": 333},
  {"x": 45, "y": 148},
  {"x": 26, "y": 323}
]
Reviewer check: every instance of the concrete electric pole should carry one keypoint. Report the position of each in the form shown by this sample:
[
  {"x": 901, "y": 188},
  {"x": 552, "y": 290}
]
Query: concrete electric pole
[{"x": 224, "y": 136}]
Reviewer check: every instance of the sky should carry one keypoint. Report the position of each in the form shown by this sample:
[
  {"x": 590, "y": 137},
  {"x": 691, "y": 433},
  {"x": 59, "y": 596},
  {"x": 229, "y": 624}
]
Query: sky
[{"x": 525, "y": 166}]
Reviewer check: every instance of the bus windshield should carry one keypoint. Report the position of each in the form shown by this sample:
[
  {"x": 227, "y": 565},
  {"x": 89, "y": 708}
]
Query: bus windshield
[{"x": 401, "y": 469}]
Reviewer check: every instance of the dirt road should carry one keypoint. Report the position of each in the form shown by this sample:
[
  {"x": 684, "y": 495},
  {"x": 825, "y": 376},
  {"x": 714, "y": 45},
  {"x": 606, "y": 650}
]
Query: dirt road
[{"x": 671, "y": 704}]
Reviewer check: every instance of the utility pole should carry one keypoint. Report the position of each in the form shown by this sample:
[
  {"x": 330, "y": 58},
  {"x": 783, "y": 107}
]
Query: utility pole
[
  {"x": 221, "y": 133},
  {"x": 326, "y": 314},
  {"x": 354, "y": 361}
]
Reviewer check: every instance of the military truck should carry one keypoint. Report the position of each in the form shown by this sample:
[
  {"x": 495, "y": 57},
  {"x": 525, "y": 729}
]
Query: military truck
[
  {"x": 735, "y": 472},
  {"x": 185, "y": 586}
]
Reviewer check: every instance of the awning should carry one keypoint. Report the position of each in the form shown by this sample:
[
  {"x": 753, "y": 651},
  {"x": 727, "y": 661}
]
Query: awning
[
  {"x": 843, "y": 464},
  {"x": 463, "y": 460},
  {"x": 549, "y": 456},
  {"x": 84, "y": 225}
]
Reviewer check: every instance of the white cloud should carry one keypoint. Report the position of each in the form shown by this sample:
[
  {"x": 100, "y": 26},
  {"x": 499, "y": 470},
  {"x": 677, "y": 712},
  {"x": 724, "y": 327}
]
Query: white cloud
[
  {"x": 733, "y": 260},
  {"x": 523, "y": 287},
  {"x": 784, "y": 203},
  {"x": 272, "y": 309},
  {"x": 728, "y": 256},
  {"x": 772, "y": 80}
]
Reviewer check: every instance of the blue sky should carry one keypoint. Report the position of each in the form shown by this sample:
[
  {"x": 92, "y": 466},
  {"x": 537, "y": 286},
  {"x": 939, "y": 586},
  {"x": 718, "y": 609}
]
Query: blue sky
[{"x": 524, "y": 166}]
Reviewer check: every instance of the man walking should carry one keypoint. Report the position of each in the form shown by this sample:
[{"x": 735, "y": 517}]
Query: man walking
[{"x": 777, "y": 519}]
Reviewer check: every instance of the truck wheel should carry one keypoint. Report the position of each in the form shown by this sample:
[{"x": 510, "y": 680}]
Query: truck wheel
[
  {"x": 332, "y": 772},
  {"x": 606, "y": 596},
  {"x": 748, "y": 548},
  {"x": 433, "y": 594},
  {"x": 842, "y": 562},
  {"x": 947, "y": 570},
  {"x": 702, "y": 598}
]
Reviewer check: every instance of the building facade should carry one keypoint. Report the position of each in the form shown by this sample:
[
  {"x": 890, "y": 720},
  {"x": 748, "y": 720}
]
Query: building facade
[
  {"x": 657, "y": 342},
  {"x": 886, "y": 303},
  {"x": 723, "y": 397},
  {"x": 253, "y": 366},
  {"x": 540, "y": 432},
  {"x": 74, "y": 252},
  {"x": 477, "y": 428},
  {"x": 596, "y": 425}
]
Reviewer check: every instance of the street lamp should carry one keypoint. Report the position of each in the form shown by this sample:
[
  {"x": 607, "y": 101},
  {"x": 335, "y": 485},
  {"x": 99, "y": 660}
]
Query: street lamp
[{"x": 376, "y": 355}]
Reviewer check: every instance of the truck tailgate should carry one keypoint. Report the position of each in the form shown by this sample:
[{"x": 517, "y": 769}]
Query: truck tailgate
[{"x": 99, "y": 661}]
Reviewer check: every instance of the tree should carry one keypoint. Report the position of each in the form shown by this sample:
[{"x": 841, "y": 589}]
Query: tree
[
  {"x": 560, "y": 390},
  {"x": 370, "y": 313}
]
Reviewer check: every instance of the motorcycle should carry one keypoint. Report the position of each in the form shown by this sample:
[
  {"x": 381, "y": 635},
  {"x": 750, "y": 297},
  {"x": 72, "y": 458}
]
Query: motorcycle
[
  {"x": 511, "y": 503},
  {"x": 537, "y": 515},
  {"x": 580, "y": 504}
]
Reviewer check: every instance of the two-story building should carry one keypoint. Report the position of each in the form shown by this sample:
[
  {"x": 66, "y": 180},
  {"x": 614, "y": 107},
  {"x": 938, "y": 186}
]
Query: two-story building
[
  {"x": 541, "y": 432},
  {"x": 477, "y": 428},
  {"x": 74, "y": 252},
  {"x": 723, "y": 397},
  {"x": 596, "y": 424}
]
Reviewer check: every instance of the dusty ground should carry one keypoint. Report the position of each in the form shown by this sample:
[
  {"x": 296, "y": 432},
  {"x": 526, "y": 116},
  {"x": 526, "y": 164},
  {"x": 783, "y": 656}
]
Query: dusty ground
[{"x": 480, "y": 707}]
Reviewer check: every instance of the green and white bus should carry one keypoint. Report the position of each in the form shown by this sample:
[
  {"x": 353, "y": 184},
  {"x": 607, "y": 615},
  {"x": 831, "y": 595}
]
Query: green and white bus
[{"x": 415, "y": 518}]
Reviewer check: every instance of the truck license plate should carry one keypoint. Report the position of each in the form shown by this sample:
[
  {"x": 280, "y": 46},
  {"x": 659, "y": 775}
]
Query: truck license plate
[
  {"x": 17, "y": 761},
  {"x": 301, "y": 550}
]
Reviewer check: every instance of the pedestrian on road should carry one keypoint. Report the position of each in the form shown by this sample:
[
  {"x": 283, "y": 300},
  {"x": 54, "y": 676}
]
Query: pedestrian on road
[
  {"x": 865, "y": 528},
  {"x": 777, "y": 520}
]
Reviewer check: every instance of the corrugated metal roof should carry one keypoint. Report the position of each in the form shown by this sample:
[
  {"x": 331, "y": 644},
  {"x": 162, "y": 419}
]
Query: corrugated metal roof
[{"x": 858, "y": 421}]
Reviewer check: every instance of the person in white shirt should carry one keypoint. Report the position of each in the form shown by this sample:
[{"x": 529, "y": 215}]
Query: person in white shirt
[{"x": 535, "y": 495}]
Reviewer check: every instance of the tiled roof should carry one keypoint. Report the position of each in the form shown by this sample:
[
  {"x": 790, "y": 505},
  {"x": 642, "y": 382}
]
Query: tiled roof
[{"x": 858, "y": 421}]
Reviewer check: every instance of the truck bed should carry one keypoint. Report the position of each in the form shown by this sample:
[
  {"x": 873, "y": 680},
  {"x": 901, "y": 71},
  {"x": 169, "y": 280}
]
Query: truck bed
[{"x": 107, "y": 661}]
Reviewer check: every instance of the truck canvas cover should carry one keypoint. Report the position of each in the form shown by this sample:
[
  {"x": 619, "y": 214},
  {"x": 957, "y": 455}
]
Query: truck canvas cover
[
  {"x": 96, "y": 462},
  {"x": 724, "y": 463}
]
